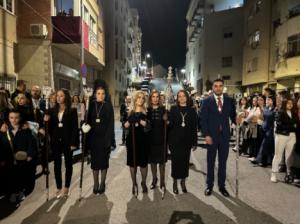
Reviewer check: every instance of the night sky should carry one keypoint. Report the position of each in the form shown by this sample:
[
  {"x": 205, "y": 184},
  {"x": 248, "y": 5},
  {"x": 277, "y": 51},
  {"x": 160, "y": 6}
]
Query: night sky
[{"x": 164, "y": 30}]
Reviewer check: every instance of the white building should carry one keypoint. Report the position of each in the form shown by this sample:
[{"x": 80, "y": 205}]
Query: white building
[{"x": 214, "y": 44}]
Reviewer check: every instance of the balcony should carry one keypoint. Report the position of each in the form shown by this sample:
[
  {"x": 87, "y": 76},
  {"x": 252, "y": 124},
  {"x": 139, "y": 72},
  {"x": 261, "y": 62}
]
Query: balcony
[{"x": 295, "y": 11}]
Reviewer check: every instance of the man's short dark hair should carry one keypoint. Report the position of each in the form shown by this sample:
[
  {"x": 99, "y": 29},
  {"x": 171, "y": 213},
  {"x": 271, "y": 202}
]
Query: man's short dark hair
[{"x": 218, "y": 80}]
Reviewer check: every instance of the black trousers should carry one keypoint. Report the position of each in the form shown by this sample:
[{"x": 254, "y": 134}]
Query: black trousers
[{"x": 58, "y": 150}]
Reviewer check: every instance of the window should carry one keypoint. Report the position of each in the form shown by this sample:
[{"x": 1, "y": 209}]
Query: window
[
  {"x": 295, "y": 11},
  {"x": 294, "y": 45},
  {"x": 254, "y": 39},
  {"x": 116, "y": 26},
  {"x": 227, "y": 35},
  {"x": 7, "y": 5},
  {"x": 64, "y": 7},
  {"x": 252, "y": 65},
  {"x": 226, "y": 77},
  {"x": 92, "y": 24},
  {"x": 226, "y": 62},
  {"x": 120, "y": 77},
  {"x": 199, "y": 68},
  {"x": 116, "y": 75}
]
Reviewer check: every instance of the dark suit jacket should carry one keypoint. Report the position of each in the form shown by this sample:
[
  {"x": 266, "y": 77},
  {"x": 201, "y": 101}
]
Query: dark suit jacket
[
  {"x": 212, "y": 119},
  {"x": 68, "y": 135}
]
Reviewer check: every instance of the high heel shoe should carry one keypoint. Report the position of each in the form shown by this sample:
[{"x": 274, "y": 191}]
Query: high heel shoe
[
  {"x": 154, "y": 182},
  {"x": 144, "y": 187},
  {"x": 135, "y": 190},
  {"x": 183, "y": 187},
  {"x": 95, "y": 189},
  {"x": 175, "y": 188},
  {"x": 101, "y": 189}
]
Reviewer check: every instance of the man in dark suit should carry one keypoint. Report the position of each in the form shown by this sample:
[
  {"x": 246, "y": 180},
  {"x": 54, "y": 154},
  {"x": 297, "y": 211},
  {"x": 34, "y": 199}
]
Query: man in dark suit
[{"x": 216, "y": 110}]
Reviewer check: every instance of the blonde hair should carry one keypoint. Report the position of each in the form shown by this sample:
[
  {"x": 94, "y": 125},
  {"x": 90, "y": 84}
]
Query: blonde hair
[{"x": 134, "y": 99}]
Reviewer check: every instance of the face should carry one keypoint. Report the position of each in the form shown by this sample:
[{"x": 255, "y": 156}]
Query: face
[
  {"x": 22, "y": 100},
  {"x": 35, "y": 92},
  {"x": 261, "y": 101},
  {"x": 14, "y": 118},
  {"x": 243, "y": 101},
  {"x": 100, "y": 95},
  {"x": 155, "y": 99},
  {"x": 182, "y": 98},
  {"x": 269, "y": 102},
  {"x": 289, "y": 105},
  {"x": 53, "y": 98},
  {"x": 140, "y": 100},
  {"x": 60, "y": 97},
  {"x": 22, "y": 87},
  {"x": 218, "y": 88},
  {"x": 254, "y": 101}
]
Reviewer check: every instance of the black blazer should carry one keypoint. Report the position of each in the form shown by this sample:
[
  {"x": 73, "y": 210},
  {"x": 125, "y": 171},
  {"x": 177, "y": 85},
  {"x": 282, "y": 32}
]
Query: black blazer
[
  {"x": 67, "y": 135},
  {"x": 285, "y": 124}
]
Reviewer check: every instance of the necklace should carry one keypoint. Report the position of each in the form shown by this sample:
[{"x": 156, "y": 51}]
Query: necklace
[
  {"x": 183, "y": 119},
  {"x": 98, "y": 111}
]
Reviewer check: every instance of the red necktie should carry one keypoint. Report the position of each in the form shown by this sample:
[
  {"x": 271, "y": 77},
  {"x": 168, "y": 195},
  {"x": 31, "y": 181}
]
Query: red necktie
[{"x": 220, "y": 104}]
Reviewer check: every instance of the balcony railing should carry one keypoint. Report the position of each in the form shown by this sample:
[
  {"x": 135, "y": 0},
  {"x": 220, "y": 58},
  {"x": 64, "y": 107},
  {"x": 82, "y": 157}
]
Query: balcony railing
[{"x": 93, "y": 38}]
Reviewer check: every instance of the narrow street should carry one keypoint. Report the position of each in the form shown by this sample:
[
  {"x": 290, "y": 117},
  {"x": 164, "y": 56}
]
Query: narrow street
[{"x": 259, "y": 201}]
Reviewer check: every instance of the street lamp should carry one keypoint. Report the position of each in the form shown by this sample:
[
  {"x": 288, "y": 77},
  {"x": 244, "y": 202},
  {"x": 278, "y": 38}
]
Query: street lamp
[{"x": 148, "y": 56}]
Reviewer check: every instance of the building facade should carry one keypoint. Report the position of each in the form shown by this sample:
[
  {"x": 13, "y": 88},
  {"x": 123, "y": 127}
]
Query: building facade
[
  {"x": 47, "y": 42},
  {"x": 8, "y": 40},
  {"x": 123, "y": 46},
  {"x": 214, "y": 44},
  {"x": 272, "y": 45}
]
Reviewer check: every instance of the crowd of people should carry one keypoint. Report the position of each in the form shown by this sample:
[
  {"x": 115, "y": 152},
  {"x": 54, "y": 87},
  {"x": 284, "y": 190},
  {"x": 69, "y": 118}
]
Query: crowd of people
[{"x": 269, "y": 133}]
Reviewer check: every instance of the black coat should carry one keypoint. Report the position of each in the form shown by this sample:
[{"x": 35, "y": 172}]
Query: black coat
[
  {"x": 67, "y": 135},
  {"x": 285, "y": 124}
]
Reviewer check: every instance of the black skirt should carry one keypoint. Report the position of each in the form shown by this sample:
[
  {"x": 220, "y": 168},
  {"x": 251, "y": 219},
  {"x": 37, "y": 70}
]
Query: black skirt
[{"x": 180, "y": 157}]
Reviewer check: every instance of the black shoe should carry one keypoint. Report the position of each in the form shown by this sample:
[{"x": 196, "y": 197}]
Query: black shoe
[
  {"x": 135, "y": 190},
  {"x": 208, "y": 191},
  {"x": 224, "y": 192},
  {"x": 183, "y": 187},
  {"x": 95, "y": 189},
  {"x": 144, "y": 187},
  {"x": 101, "y": 189},
  {"x": 175, "y": 188},
  {"x": 154, "y": 182}
]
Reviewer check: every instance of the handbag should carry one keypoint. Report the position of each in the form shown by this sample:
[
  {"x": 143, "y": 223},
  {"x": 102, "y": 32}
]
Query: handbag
[{"x": 20, "y": 155}]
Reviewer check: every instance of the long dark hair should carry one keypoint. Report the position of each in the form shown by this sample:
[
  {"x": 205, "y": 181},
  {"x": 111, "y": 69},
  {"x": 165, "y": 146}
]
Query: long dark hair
[
  {"x": 100, "y": 83},
  {"x": 68, "y": 101},
  {"x": 284, "y": 105},
  {"x": 186, "y": 95},
  {"x": 150, "y": 97}
]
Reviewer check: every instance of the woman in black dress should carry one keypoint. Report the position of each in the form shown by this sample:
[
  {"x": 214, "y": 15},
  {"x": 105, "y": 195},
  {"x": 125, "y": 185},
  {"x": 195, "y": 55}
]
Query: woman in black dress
[
  {"x": 136, "y": 141},
  {"x": 101, "y": 120},
  {"x": 157, "y": 150},
  {"x": 182, "y": 138},
  {"x": 63, "y": 130}
]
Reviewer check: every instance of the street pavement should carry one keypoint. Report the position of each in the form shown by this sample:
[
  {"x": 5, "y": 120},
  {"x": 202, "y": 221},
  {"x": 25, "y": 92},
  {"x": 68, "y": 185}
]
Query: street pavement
[{"x": 259, "y": 201}]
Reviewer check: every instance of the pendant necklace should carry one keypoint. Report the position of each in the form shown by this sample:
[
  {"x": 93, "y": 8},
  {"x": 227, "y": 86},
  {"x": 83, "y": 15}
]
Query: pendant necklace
[
  {"x": 183, "y": 119},
  {"x": 98, "y": 112}
]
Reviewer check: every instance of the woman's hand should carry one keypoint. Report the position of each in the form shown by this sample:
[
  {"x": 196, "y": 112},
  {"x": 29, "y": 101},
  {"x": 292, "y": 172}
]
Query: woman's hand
[
  {"x": 4, "y": 128},
  {"x": 46, "y": 117},
  {"x": 29, "y": 159},
  {"x": 143, "y": 123},
  {"x": 127, "y": 124},
  {"x": 42, "y": 131}
]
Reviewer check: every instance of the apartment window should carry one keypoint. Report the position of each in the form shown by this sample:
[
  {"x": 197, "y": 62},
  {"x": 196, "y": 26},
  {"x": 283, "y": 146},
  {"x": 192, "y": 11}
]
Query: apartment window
[
  {"x": 116, "y": 26},
  {"x": 252, "y": 65},
  {"x": 92, "y": 24},
  {"x": 199, "y": 68},
  {"x": 226, "y": 62},
  {"x": 7, "y": 5},
  {"x": 86, "y": 14},
  {"x": 116, "y": 75},
  {"x": 254, "y": 39},
  {"x": 120, "y": 77},
  {"x": 258, "y": 5},
  {"x": 226, "y": 77},
  {"x": 294, "y": 45},
  {"x": 64, "y": 7},
  {"x": 227, "y": 35}
]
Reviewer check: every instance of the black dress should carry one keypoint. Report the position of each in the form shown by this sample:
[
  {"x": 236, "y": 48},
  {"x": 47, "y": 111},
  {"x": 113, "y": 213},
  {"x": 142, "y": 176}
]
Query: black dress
[
  {"x": 141, "y": 141},
  {"x": 157, "y": 152},
  {"x": 101, "y": 133},
  {"x": 181, "y": 139}
]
